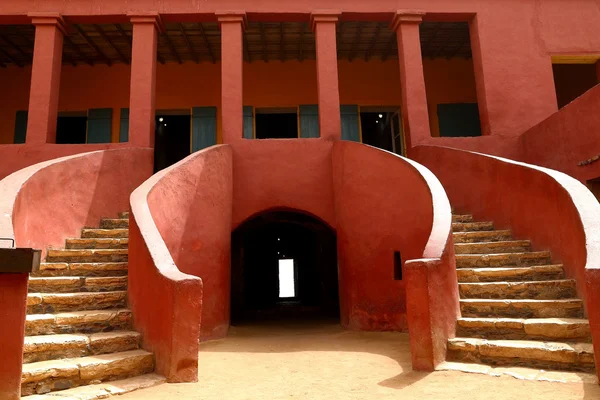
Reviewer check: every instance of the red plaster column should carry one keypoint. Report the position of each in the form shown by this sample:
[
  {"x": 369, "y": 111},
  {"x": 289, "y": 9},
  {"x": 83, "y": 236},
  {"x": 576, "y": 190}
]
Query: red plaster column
[
  {"x": 415, "y": 117},
  {"x": 232, "y": 25},
  {"x": 143, "y": 78},
  {"x": 45, "y": 77},
  {"x": 323, "y": 24}
]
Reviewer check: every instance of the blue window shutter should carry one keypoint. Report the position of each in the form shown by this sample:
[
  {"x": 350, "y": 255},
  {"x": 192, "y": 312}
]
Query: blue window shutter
[
  {"x": 99, "y": 125},
  {"x": 349, "y": 119},
  {"x": 248, "y": 122},
  {"x": 20, "y": 127},
  {"x": 124, "y": 126},
  {"x": 204, "y": 127},
  {"x": 459, "y": 120},
  {"x": 309, "y": 121}
]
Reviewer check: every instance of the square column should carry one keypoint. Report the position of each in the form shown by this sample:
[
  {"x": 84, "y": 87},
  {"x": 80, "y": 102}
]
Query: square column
[
  {"x": 232, "y": 25},
  {"x": 143, "y": 78},
  {"x": 45, "y": 77},
  {"x": 415, "y": 116},
  {"x": 323, "y": 23}
]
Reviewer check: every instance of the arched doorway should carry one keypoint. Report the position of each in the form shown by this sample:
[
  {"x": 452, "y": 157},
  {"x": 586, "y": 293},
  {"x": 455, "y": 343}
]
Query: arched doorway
[{"x": 283, "y": 265}]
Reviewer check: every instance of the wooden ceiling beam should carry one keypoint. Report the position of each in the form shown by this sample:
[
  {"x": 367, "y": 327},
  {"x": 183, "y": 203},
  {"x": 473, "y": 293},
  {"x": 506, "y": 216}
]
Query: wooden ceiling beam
[
  {"x": 441, "y": 48},
  {"x": 26, "y": 56},
  {"x": 458, "y": 48},
  {"x": 301, "y": 44},
  {"x": 74, "y": 47},
  {"x": 388, "y": 47},
  {"x": 354, "y": 49},
  {"x": 282, "y": 42},
  {"x": 431, "y": 39},
  {"x": 92, "y": 45},
  {"x": 206, "y": 43},
  {"x": 130, "y": 41},
  {"x": 31, "y": 45},
  {"x": 263, "y": 42},
  {"x": 246, "y": 50},
  {"x": 11, "y": 58},
  {"x": 171, "y": 47},
  {"x": 111, "y": 44},
  {"x": 373, "y": 42},
  {"x": 189, "y": 44}
]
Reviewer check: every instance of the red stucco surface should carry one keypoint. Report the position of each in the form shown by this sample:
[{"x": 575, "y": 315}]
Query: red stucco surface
[
  {"x": 552, "y": 209},
  {"x": 567, "y": 138},
  {"x": 42, "y": 205}
]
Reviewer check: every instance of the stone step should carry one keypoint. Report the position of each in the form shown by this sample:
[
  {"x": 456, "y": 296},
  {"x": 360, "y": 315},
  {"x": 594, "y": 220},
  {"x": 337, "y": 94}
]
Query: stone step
[
  {"x": 47, "y": 376},
  {"x": 97, "y": 243},
  {"x": 565, "y": 308},
  {"x": 86, "y": 256},
  {"x": 462, "y": 218},
  {"x": 505, "y": 246},
  {"x": 70, "y": 284},
  {"x": 549, "y": 329},
  {"x": 503, "y": 259},
  {"x": 543, "y": 290},
  {"x": 90, "y": 321},
  {"x": 104, "y": 233},
  {"x": 472, "y": 226},
  {"x": 521, "y": 373},
  {"x": 508, "y": 274},
  {"x": 124, "y": 214},
  {"x": 481, "y": 236},
  {"x": 526, "y": 353},
  {"x": 117, "y": 223},
  {"x": 82, "y": 269},
  {"x": 40, "y": 303},
  {"x": 103, "y": 390},
  {"x": 53, "y": 347}
]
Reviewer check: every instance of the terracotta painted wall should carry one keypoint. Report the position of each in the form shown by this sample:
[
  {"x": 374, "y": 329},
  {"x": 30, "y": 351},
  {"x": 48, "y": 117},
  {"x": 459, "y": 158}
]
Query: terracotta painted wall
[
  {"x": 273, "y": 84},
  {"x": 567, "y": 138}
]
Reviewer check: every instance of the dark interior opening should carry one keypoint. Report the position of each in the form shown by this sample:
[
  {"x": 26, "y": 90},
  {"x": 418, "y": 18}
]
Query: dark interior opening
[
  {"x": 257, "y": 248},
  {"x": 594, "y": 186},
  {"x": 172, "y": 140},
  {"x": 71, "y": 129},
  {"x": 573, "y": 80},
  {"x": 382, "y": 130},
  {"x": 276, "y": 126},
  {"x": 397, "y": 266}
]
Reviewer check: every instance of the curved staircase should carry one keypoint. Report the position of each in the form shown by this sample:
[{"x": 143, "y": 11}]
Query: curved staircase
[
  {"x": 518, "y": 309},
  {"x": 79, "y": 343}
]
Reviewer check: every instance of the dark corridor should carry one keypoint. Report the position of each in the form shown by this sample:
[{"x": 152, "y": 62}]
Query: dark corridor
[
  {"x": 257, "y": 248},
  {"x": 172, "y": 140}
]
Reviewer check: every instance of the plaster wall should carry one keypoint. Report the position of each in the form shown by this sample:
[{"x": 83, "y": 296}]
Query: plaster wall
[{"x": 273, "y": 84}]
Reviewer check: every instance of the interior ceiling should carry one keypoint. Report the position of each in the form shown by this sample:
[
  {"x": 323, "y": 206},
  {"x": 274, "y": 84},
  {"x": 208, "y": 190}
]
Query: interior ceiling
[{"x": 201, "y": 42}]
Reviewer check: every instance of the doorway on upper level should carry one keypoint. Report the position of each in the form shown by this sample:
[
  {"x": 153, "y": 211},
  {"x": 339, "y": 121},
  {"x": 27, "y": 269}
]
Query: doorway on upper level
[
  {"x": 172, "y": 137},
  {"x": 276, "y": 123}
]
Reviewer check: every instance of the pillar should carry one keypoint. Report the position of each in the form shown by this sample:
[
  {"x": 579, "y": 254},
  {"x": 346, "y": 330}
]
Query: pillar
[
  {"x": 323, "y": 24},
  {"x": 143, "y": 78},
  {"x": 232, "y": 25},
  {"x": 45, "y": 77},
  {"x": 415, "y": 117}
]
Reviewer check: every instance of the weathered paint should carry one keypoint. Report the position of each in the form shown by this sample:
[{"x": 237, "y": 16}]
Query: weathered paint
[
  {"x": 41, "y": 206},
  {"x": 552, "y": 209}
]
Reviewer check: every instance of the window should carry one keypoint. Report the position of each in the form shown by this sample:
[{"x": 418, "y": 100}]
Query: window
[
  {"x": 459, "y": 120},
  {"x": 287, "y": 281}
]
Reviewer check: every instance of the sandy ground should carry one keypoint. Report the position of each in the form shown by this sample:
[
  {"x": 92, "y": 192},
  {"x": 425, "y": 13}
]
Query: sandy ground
[{"x": 298, "y": 361}]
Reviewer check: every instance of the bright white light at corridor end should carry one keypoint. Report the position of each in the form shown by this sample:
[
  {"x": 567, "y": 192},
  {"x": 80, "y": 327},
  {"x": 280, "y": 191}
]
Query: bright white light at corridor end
[
  {"x": 286, "y": 279},
  {"x": 161, "y": 119},
  {"x": 380, "y": 115}
]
